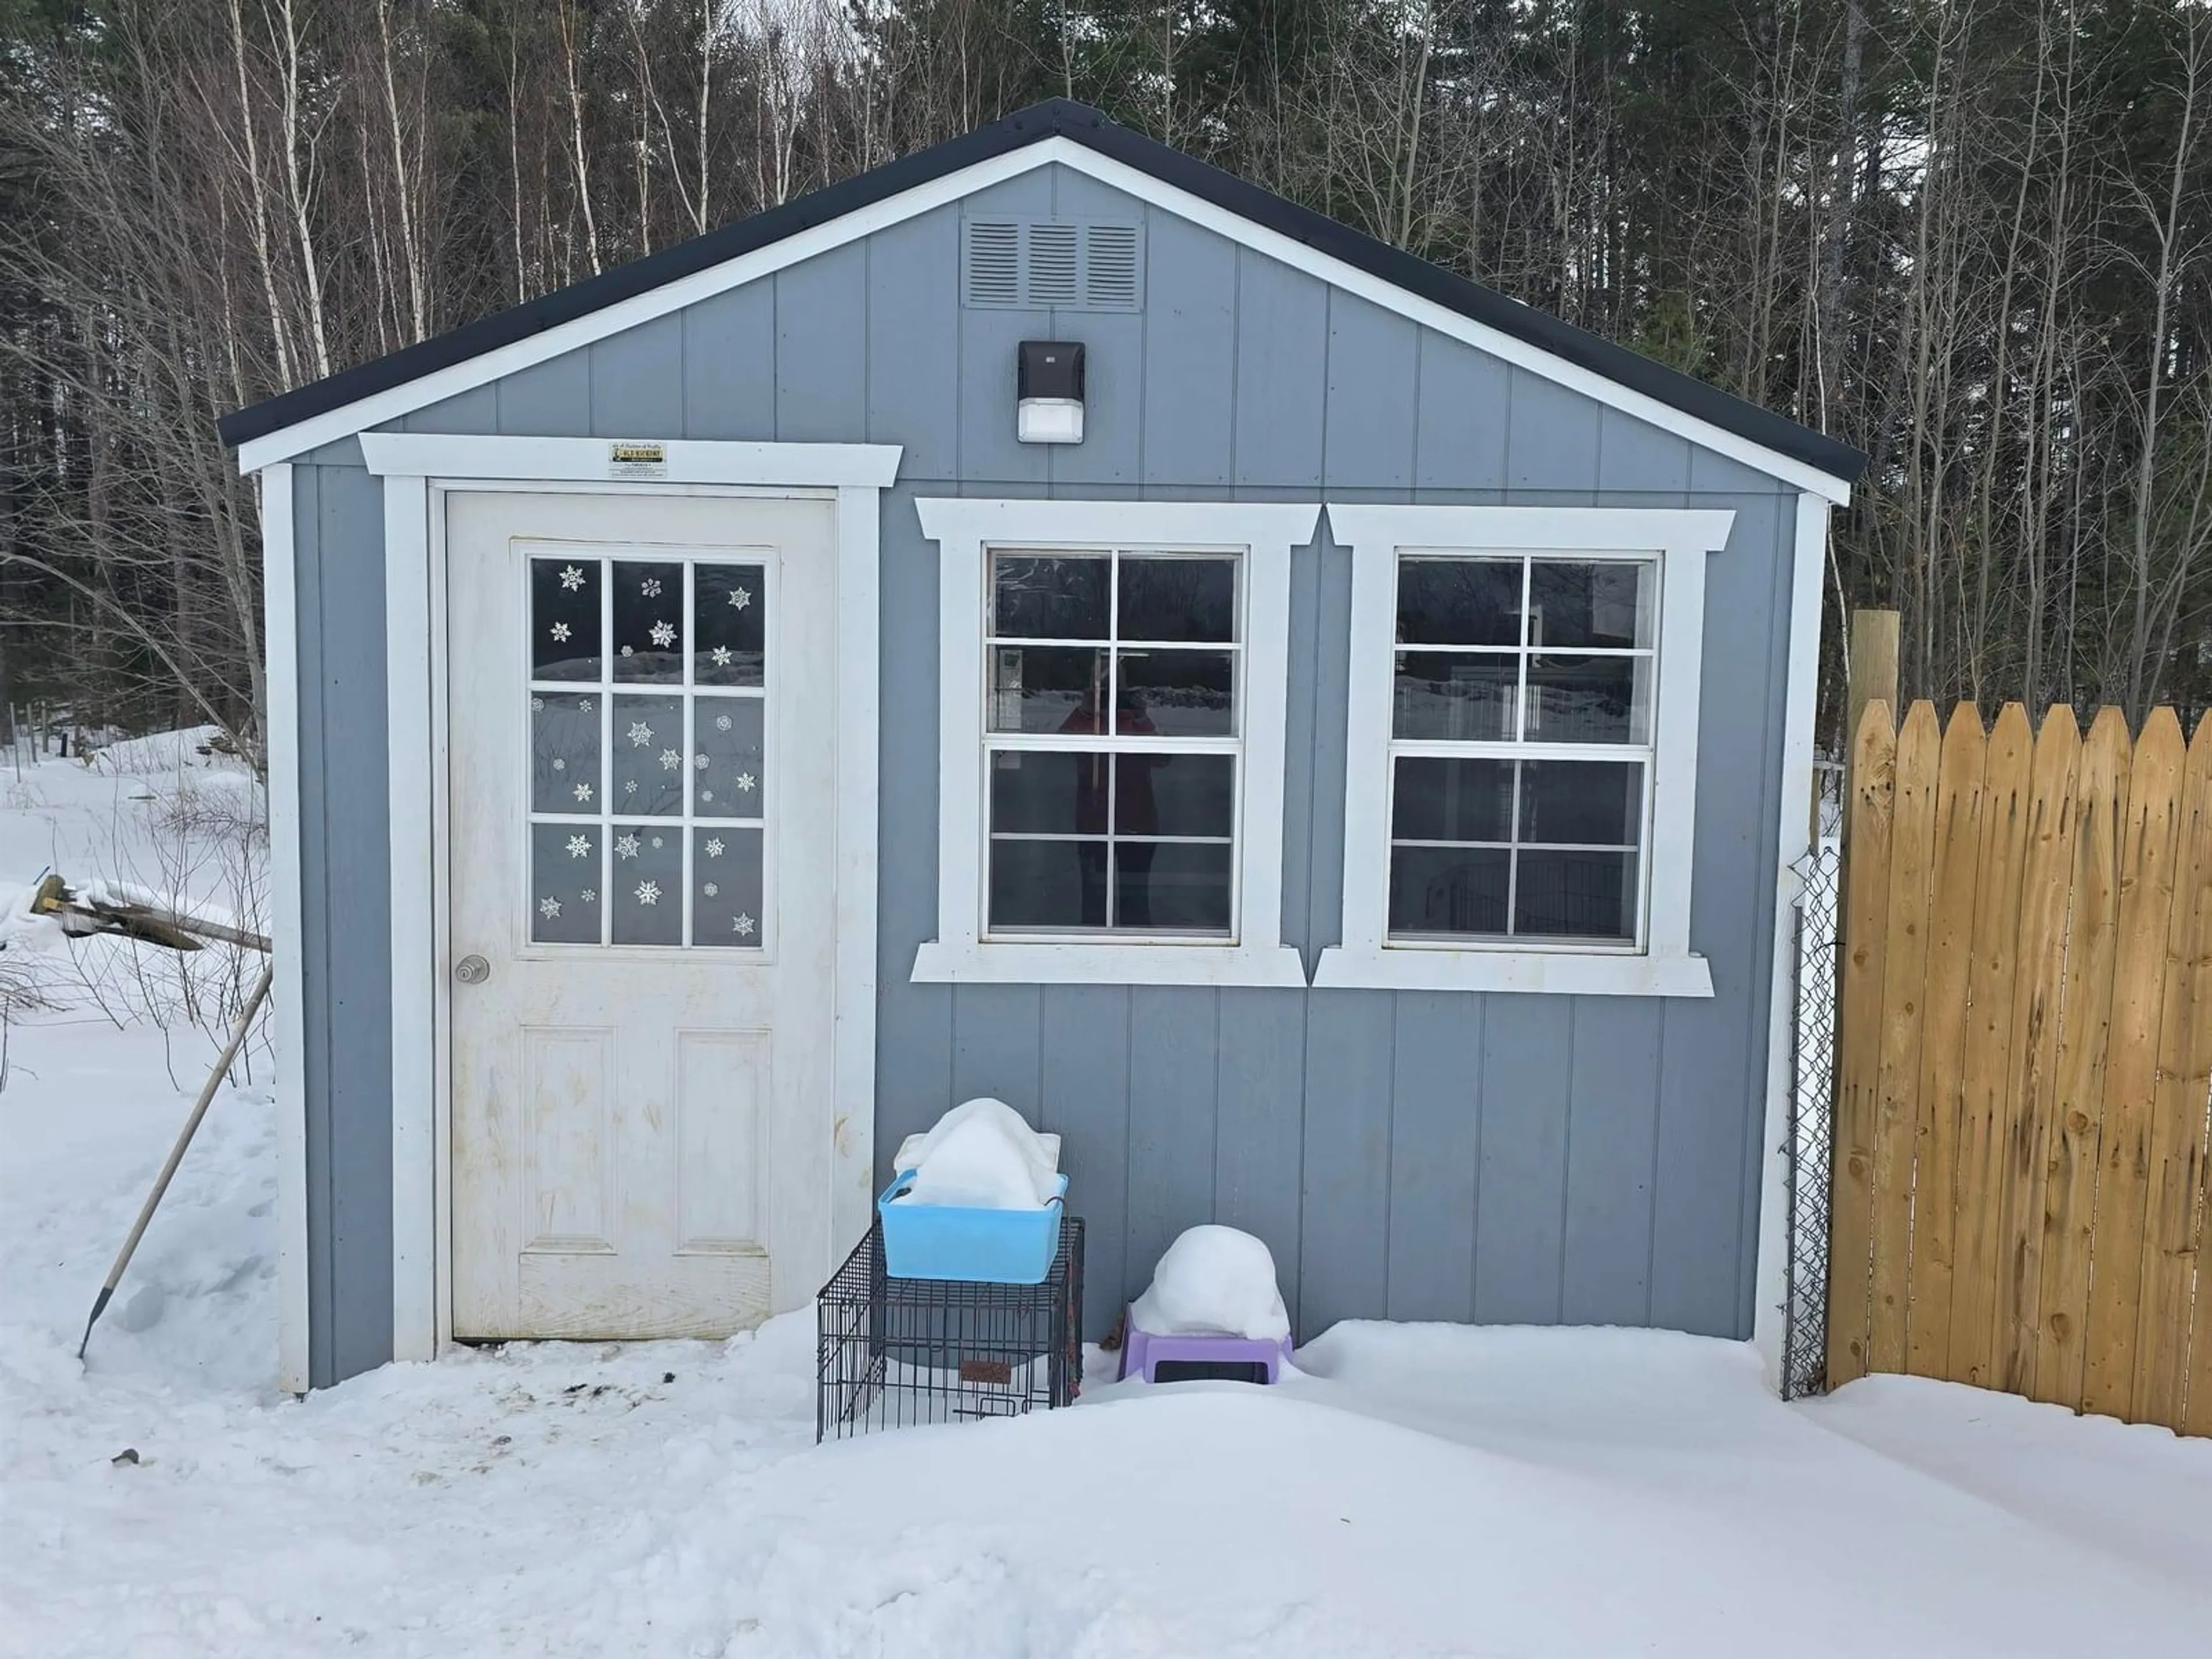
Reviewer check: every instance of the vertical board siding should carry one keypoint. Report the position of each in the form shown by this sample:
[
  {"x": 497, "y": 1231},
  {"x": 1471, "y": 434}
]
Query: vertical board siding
[
  {"x": 1520, "y": 1229},
  {"x": 1345, "y": 1209},
  {"x": 1410, "y": 1156},
  {"x": 1612, "y": 1141},
  {"x": 1435, "y": 1085},
  {"x": 347, "y": 955},
  {"x": 822, "y": 347},
  {"x": 637, "y": 382},
  {"x": 2046, "y": 1214},
  {"x": 729, "y": 366}
]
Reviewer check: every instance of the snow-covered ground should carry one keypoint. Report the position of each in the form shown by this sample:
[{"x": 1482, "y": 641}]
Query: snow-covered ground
[{"x": 1418, "y": 1489}]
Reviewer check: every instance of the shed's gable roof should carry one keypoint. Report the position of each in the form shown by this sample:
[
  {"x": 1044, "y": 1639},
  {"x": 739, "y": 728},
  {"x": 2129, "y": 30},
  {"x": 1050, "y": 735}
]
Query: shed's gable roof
[{"x": 1079, "y": 136}]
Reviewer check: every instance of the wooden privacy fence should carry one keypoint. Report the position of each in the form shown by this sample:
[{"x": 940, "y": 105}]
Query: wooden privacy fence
[{"x": 2021, "y": 1167}]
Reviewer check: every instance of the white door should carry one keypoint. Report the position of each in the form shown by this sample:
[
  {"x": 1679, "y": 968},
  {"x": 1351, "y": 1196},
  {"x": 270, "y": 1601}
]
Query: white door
[{"x": 642, "y": 830}]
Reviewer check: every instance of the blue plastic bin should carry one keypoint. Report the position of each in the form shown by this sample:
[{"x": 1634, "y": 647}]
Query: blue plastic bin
[{"x": 980, "y": 1247}]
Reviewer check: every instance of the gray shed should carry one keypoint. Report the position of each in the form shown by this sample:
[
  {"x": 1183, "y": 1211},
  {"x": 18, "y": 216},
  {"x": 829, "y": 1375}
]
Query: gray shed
[{"x": 1043, "y": 619}]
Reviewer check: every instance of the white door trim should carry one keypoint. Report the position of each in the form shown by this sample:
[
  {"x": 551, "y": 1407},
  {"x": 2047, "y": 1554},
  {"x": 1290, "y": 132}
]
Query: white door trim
[{"x": 418, "y": 470}]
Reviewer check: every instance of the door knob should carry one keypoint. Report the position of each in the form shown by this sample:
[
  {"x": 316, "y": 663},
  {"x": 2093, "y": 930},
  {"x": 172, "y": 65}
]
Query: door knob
[{"x": 472, "y": 970}]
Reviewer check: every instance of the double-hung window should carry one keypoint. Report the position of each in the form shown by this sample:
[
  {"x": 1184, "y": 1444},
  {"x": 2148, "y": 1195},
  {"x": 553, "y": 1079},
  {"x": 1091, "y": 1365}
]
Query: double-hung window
[
  {"x": 1112, "y": 702},
  {"x": 1111, "y": 743},
  {"x": 1522, "y": 748}
]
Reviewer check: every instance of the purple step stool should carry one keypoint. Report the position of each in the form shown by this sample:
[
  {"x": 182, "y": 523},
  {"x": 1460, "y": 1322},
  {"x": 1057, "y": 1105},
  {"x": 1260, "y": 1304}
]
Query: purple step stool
[{"x": 1186, "y": 1358}]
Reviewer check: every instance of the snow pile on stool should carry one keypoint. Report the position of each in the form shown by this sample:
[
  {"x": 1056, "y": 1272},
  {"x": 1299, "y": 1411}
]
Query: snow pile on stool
[
  {"x": 982, "y": 1156},
  {"x": 1214, "y": 1281}
]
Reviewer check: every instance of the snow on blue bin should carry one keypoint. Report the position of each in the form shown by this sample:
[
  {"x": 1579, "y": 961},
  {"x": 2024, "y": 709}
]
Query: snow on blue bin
[{"x": 982, "y": 1247}]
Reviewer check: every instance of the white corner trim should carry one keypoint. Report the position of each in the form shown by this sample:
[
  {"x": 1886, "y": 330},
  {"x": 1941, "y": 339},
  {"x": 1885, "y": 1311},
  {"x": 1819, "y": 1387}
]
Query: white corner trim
[
  {"x": 412, "y": 900},
  {"x": 397, "y": 401},
  {"x": 859, "y": 530},
  {"x": 542, "y": 460},
  {"x": 280, "y": 635},
  {"x": 1587, "y": 974},
  {"x": 1793, "y": 838},
  {"x": 415, "y": 661},
  {"x": 963, "y": 529},
  {"x": 1680, "y": 540},
  {"x": 1011, "y": 963}
]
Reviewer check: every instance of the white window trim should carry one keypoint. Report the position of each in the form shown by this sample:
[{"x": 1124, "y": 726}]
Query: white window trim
[
  {"x": 964, "y": 530},
  {"x": 1680, "y": 539},
  {"x": 419, "y": 470}
]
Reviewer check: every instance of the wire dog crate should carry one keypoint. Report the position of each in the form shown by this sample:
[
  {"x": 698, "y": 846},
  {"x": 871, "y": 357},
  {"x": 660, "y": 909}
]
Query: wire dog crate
[{"x": 894, "y": 1353}]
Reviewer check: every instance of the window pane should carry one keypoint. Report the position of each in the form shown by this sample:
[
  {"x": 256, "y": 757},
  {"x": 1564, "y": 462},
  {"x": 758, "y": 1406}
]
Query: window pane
[
  {"x": 1046, "y": 687},
  {"x": 648, "y": 622},
  {"x": 1448, "y": 889},
  {"x": 1461, "y": 698},
  {"x": 726, "y": 897},
  {"x": 648, "y": 760},
  {"x": 1589, "y": 803},
  {"x": 1035, "y": 597},
  {"x": 1176, "y": 693},
  {"x": 1459, "y": 601},
  {"x": 1171, "y": 886},
  {"x": 1175, "y": 795},
  {"x": 564, "y": 619},
  {"x": 729, "y": 770},
  {"x": 564, "y": 753},
  {"x": 730, "y": 635},
  {"x": 1576, "y": 895},
  {"x": 1606, "y": 604},
  {"x": 1048, "y": 883},
  {"x": 1452, "y": 800},
  {"x": 1057, "y": 793},
  {"x": 1589, "y": 699},
  {"x": 1178, "y": 599},
  {"x": 645, "y": 883},
  {"x": 564, "y": 882}
]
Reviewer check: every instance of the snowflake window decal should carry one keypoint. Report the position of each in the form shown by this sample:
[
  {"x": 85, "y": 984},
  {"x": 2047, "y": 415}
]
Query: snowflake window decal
[
  {"x": 657, "y": 841},
  {"x": 722, "y": 654},
  {"x": 629, "y": 786},
  {"x": 584, "y": 703},
  {"x": 671, "y": 759},
  {"x": 664, "y": 634},
  {"x": 743, "y": 926},
  {"x": 706, "y": 794},
  {"x": 714, "y": 846},
  {"x": 722, "y": 722},
  {"x": 583, "y": 792},
  {"x": 648, "y": 892},
  {"x": 639, "y": 734},
  {"x": 699, "y": 762},
  {"x": 559, "y": 632},
  {"x": 537, "y": 705},
  {"x": 626, "y": 847},
  {"x": 650, "y": 587},
  {"x": 628, "y": 652},
  {"x": 746, "y": 781},
  {"x": 740, "y": 598},
  {"x": 572, "y": 577},
  {"x": 559, "y": 764},
  {"x": 589, "y": 896},
  {"x": 549, "y": 908},
  {"x": 710, "y": 889},
  {"x": 580, "y": 846}
]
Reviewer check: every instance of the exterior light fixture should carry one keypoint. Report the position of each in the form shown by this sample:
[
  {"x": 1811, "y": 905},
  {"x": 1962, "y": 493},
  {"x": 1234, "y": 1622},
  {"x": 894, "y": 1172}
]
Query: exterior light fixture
[{"x": 1048, "y": 385}]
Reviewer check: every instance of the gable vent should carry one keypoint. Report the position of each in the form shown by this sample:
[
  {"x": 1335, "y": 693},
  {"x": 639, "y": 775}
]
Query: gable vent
[
  {"x": 1109, "y": 268},
  {"x": 1051, "y": 264}
]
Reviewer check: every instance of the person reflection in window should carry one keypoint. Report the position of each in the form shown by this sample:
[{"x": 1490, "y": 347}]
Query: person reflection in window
[{"x": 1098, "y": 779}]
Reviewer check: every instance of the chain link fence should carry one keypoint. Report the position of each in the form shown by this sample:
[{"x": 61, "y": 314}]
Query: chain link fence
[{"x": 1811, "y": 1095}]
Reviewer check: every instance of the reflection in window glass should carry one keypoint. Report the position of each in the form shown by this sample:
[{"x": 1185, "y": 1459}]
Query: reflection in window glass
[
  {"x": 1112, "y": 754},
  {"x": 649, "y": 764},
  {"x": 1521, "y": 747}
]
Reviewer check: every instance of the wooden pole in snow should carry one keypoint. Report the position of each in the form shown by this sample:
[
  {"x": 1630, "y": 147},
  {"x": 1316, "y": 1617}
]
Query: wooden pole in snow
[{"x": 177, "y": 1153}]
